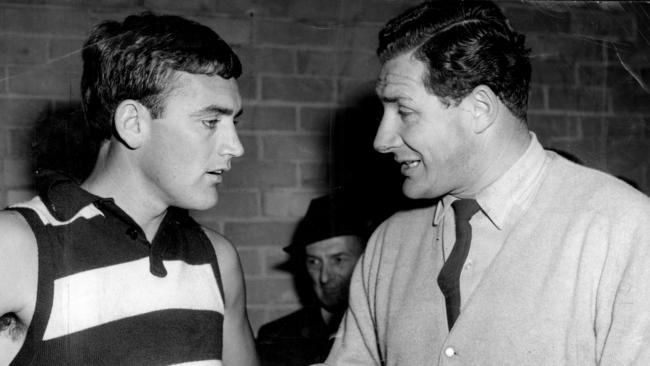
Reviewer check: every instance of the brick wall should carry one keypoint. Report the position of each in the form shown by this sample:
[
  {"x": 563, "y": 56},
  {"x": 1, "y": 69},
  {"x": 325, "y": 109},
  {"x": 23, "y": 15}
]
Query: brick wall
[{"x": 309, "y": 112}]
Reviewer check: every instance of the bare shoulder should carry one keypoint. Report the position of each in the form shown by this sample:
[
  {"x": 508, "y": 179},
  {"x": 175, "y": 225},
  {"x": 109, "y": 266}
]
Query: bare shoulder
[
  {"x": 17, "y": 242},
  {"x": 225, "y": 251},
  {"x": 18, "y": 281}
]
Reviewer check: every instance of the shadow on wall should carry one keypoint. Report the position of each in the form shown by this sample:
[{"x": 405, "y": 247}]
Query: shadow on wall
[
  {"x": 373, "y": 179},
  {"x": 60, "y": 142}
]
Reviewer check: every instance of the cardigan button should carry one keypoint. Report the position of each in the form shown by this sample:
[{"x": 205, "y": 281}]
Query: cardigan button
[{"x": 450, "y": 352}]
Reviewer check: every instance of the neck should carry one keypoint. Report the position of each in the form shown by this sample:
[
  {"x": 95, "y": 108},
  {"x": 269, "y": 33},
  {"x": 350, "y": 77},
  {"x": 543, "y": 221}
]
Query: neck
[
  {"x": 501, "y": 148},
  {"x": 111, "y": 178}
]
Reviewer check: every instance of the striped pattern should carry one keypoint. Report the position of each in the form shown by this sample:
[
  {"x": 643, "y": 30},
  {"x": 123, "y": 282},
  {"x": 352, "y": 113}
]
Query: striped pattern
[{"x": 98, "y": 302}]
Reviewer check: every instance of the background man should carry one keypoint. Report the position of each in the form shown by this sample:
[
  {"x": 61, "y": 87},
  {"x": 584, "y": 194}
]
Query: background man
[
  {"x": 327, "y": 244},
  {"x": 557, "y": 271},
  {"x": 114, "y": 271}
]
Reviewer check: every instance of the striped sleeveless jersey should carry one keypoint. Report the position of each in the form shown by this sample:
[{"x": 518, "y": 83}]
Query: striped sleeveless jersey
[{"x": 106, "y": 296}]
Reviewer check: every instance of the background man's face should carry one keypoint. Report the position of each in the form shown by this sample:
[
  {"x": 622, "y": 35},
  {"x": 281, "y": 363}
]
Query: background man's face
[
  {"x": 430, "y": 141},
  {"x": 330, "y": 263},
  {"x": 192, "y": 143}
]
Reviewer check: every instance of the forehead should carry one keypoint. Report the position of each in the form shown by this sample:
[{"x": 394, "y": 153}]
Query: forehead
[
  {"x": 400, "y": 75},
  {"x": 349, "y": 244},
  {"x": 199, "y": 90}
]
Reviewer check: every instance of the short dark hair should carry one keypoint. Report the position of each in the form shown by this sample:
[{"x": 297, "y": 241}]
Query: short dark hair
[
  {"x": 463, "y": 44},
  {"x": 136, "y": 59}
]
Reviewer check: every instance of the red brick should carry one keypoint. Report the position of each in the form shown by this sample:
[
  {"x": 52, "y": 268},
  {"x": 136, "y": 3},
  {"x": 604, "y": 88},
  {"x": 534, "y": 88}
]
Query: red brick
[
  {"x": 45, "y": 81},
  {"x": 291, "y": 204},
  {"x": 590, "y": 151},
  {"x": 233, "y": 31},
  {"x": 251, "y": 261},
  {"x": 248, "y": 173},
  {"x": 333, "y": 13},
  {"x": 65, "y": 53},
  {"x": 317, "y": 119},
  {"x": 536, "y": 19},
  {"x": 611, "y": 76},
  {"x": 258, "y": 60},
  {"x": 548, "y": 126},
  {"x": 17, "y": 173},
  {"x": 4, "y": 142},
  {"x": 22, "y": 112},
  {"x": 536, "y": 98},
  {"x": 268, "y": 118},
  {"x": 292, "y": 147},
  {"x": 273, "y": 233},
  {"x": 314, "y": 175},
  {"x": 603, "y": 24},
  {"x": 297, "y": 89},
  {"x": 261, "y": 8},
  {"x": 621, "y": 128},
  {"x": 20, "y": 143},
  {"x": 250, "y": 146},
  {"x": 270, "y": 291},
  {"x": 191, "y": 6},
  {"x": 553, "y": 72},
  {"x": 627, "y": 154},
  {"x": 382, "y": 10},
  {"x": 565, "y": 47},
  {"x": 275, "y": 32},
  {"x": 580, "y": 99},
  {"x": 276, "y": 262},
  {"x": 592, "y": 127},
  {"x": 359, "y": 38},
  {"x": 353, "y": 64},
  {"x": 630, "y": 98},
  {"x": 49, "y": 21},
  {"x": 232, "y": 204},
  {"x": 247, "y": 87},
  {"x": 3, "y": 82},
  {"x": 351, "y": 90},
  {"x": 17, "y": 49}
]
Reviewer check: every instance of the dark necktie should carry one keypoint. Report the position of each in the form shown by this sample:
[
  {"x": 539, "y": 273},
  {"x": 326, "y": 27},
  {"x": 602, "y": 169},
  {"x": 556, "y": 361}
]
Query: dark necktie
[{"x": 449, "y": 277}]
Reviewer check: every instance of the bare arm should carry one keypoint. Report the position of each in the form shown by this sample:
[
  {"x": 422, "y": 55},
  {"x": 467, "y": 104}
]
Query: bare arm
[
  {"x": 238, "y": 343},
  {"x": 18, "y": 282}
]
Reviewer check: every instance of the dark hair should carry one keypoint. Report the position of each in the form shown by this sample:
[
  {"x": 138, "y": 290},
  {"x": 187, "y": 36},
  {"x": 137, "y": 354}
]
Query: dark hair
[
  {"x": 136, "y": 59},
  {"x": 463, "y": 44}
]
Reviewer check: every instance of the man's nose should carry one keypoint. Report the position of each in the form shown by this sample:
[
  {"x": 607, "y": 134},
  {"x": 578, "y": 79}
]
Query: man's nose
[
  {"x": 232, "y": 145},
  {"x": 386, "y": 138},
  {"x": 324, "y": 274}
]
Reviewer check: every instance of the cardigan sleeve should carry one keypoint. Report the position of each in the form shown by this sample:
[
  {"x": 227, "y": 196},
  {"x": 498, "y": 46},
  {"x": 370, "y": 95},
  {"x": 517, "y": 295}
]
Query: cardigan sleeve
[
  {"x": 356, "y": 341},
  {"x": 623, "y": 298}
]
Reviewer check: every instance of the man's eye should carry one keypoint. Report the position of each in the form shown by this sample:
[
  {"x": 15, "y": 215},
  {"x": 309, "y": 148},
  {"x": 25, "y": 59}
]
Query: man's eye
[
  {"x": 404, "y": 112},
  {"x": 210, "y": 123}
]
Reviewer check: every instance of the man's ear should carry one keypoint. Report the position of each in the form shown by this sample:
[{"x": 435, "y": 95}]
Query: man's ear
[
  {"x": 131, "y": 123},
  {"x": 484, "y": 106}
]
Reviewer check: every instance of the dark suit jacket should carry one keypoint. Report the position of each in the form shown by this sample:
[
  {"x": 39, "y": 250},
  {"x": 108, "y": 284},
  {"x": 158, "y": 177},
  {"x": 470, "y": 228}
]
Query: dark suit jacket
[{"x": 298, "y": 339}]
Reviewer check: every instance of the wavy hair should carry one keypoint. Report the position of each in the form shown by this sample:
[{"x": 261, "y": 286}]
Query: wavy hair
[{"x": 463, "y": 45}]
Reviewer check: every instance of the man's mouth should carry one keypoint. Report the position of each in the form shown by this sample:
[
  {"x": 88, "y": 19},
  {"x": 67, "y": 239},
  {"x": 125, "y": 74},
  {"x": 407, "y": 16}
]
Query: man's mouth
[{"x": 410, "y": 163}]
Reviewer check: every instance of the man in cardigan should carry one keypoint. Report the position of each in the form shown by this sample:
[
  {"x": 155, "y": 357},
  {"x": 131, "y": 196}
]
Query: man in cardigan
[
  {"x": 113, "y": 271},
  {"x": 526, "y": 258},
  {"x": 326, "y": 247}
]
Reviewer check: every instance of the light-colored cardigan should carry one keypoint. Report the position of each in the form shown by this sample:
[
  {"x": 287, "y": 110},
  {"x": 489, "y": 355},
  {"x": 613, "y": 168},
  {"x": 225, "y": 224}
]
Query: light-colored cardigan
[{"x": 570, "y": 286}]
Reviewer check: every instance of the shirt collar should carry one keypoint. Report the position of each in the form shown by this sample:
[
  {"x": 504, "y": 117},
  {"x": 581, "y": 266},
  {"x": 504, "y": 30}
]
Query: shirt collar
[
  {"x": 512, "y": 189},
  {"x": 62, "y": 195}
]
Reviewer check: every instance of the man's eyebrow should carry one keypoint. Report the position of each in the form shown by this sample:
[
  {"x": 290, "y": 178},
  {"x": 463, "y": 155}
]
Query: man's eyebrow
[{"x": 215, "y": 109}]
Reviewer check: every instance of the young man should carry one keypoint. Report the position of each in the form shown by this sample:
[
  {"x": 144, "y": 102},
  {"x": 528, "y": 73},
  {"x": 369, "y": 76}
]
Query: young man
[
  {"x": 114, "y": 271},
  {"x": 527, "y": 258},
  {"x": 326, "y": 245}
]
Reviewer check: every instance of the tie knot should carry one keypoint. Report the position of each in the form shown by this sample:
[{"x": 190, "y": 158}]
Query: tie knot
[{"x": 464, "y": 209}]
